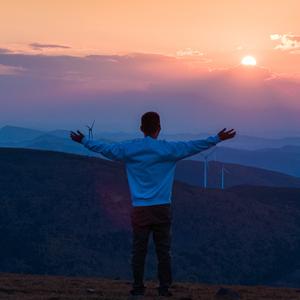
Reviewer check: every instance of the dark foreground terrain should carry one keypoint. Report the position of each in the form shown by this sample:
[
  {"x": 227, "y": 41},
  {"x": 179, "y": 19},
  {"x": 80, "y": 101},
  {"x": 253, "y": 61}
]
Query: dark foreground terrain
[
  {"x": 69, "y": 215},
  {"x": 33, "y": 287}
]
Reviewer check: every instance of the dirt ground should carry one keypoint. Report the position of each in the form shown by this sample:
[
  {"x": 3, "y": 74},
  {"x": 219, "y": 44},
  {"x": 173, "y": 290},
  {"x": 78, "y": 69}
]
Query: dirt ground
[{"x": 35, "y": 287}]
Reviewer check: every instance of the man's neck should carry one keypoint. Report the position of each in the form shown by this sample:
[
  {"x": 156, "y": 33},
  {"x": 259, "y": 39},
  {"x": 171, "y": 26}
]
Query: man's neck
[{"x": 154, "y": 137}]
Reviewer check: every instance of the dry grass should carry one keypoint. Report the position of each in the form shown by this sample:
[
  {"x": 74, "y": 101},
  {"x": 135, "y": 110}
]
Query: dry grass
[{"x": 34, "y": 287}]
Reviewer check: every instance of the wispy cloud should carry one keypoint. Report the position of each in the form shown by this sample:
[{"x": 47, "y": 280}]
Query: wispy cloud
[
  {"x": 39, "y": 46},
  {"x": 193, "y": 56},
  {"x": 5, "y": 50},
  {"x": 287, "y": 42},
  {"x": 10, "y": 70},
  {"x": 189, "y": 52}
]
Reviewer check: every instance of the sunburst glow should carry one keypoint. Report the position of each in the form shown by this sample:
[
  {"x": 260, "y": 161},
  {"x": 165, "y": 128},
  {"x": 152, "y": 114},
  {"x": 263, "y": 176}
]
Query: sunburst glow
[{"x": 248, "y": 61}]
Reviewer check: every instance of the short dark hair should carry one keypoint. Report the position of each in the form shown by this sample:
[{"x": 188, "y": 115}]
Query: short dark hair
[{"x": 150, "y": 122}]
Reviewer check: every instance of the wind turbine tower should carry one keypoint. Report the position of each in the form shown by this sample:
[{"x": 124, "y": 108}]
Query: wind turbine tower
[
  {"x": 223, "y": 171},
  {"x": 91, "y": 130},
  {"x": 205, "y": 175}
]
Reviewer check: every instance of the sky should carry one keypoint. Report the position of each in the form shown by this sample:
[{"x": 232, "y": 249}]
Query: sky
[{"x": 65, "y": 63}]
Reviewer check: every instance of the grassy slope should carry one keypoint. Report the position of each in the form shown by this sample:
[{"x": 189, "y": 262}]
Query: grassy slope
[{"x": 70, "y": 215}]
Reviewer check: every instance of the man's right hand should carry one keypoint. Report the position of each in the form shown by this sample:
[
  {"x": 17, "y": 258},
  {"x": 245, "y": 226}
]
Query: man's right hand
[
  {"x": 77, "y": 137},
  {"x": 226, "y": 135}
]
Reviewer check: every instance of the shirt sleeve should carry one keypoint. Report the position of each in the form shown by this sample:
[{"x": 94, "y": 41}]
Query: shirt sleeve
[
  {"x": 180, "y": 150},
  {"x": 113, "y": 151}
]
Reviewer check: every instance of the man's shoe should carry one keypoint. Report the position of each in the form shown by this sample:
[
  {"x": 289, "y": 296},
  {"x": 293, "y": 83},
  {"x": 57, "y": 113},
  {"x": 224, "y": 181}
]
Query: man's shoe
[
  {"x": 135, "y": 297},
  {"x": 164, "y": 292},
  {"x": 137, "y": 292}
]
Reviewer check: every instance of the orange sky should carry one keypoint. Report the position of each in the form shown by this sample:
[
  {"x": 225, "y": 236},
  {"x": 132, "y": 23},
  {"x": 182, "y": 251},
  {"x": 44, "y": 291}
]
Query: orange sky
[
  {"x": 223, "y": 31},
  {"x": 151, "y": 55}
]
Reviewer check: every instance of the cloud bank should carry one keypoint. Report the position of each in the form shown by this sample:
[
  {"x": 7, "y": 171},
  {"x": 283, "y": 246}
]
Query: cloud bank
[
  {"x": 38, "y": 46},
  {"x": 66, "y": 91},
  {"x": 287, "y": 42}
]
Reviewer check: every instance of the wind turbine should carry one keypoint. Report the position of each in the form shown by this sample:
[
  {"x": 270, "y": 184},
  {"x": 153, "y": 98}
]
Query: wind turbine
[
  {"x": 91, "y": 130},
  {"x": 223, "y": 171},
  {"x": 205, "y": 175}
]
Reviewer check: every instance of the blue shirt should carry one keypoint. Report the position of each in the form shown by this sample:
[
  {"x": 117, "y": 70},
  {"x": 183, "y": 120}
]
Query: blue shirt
[{"x": 150, "y": 164}]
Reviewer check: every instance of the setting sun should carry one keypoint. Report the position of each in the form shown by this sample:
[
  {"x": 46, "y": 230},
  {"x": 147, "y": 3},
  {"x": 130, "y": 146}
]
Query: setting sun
[{"x": 248, "y": 61}]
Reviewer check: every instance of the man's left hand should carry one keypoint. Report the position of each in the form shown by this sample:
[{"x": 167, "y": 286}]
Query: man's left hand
[
  {"x": 226, "y": 135},
  {"x": 77, "y": 137}
]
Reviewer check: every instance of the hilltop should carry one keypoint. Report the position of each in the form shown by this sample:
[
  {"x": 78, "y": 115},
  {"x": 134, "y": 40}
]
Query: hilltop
[
  {"x": 30, "y": 287},
  {"x": 191, "y": 172}
]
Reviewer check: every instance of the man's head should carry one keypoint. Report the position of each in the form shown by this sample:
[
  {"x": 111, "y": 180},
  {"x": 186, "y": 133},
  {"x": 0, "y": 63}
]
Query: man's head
[{"x": 150, "y": 124}]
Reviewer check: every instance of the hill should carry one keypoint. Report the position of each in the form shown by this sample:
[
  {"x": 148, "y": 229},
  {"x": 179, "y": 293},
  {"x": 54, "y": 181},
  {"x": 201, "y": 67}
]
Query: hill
[
  {"x": 30, "y": 287},
  {"x": 65, "y": 214},
  {"x": 192, "y": 172},
  {"x": 15, "y": 135},
  {"x": 284, "y": 160}
]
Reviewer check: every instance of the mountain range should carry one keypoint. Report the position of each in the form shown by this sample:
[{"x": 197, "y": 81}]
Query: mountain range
[
  {"x": 15, "y": 134},
  {"x": 281, "y": 155}
]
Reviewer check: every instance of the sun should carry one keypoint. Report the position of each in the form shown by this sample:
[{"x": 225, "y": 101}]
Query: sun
[{"x": 248, "y": 61}]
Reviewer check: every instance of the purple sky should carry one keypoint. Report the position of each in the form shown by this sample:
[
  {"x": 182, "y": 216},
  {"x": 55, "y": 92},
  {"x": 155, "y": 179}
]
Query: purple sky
[{"x": 50, "y": 92}]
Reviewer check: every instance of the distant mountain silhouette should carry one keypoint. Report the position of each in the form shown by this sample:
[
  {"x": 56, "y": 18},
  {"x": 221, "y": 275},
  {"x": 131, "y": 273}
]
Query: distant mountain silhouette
[
  {"x": 69, "y": 215},
  {"x": 17, "y": 135},
  {"x": 255, "y": 143},
  {"x": 56, "y": 143},
  {"x": 281, "y": 155}
]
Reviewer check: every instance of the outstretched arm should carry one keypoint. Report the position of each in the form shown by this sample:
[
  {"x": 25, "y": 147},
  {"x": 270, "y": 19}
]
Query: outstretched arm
[
  {"x": 114, "y": 151},
  {"x": 181, "y": 150}
]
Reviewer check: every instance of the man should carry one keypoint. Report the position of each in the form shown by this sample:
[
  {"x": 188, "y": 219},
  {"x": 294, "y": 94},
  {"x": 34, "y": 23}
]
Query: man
[{"x": 150, "y": 165}]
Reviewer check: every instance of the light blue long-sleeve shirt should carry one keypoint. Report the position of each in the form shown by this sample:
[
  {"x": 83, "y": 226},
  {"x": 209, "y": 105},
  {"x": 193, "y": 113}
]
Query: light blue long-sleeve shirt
[{"x": 150, "y": 164}]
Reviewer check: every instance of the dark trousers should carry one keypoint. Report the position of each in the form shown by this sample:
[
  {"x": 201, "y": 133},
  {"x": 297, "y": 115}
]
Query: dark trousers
[{"x": 145, "y": 220}]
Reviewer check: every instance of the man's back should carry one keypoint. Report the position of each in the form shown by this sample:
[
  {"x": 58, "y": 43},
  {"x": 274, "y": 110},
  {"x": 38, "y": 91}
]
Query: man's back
[
  {"x": 150, "y": 164},
  {"x": 150, "y": 171}
]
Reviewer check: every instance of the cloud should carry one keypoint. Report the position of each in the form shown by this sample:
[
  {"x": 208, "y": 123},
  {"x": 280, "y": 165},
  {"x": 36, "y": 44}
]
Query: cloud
[
  {"x": 5, "y": 50},
  {"x": 275, "y": 37},
  {"x": 10, "y": 70},
  {"x": 189, "y": 52},
  {"x": 121, "y": 87},
  {"x": 287, "y": 42},
  {"x": 38, "y": 46},
  {"x": 193, "y": 57}
]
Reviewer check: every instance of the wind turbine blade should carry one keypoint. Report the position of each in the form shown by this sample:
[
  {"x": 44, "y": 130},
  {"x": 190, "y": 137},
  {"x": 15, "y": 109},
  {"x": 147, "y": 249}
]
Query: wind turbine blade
[
  {"x": 227, "y": 171},
  {"x": 93, "y": 124}
]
